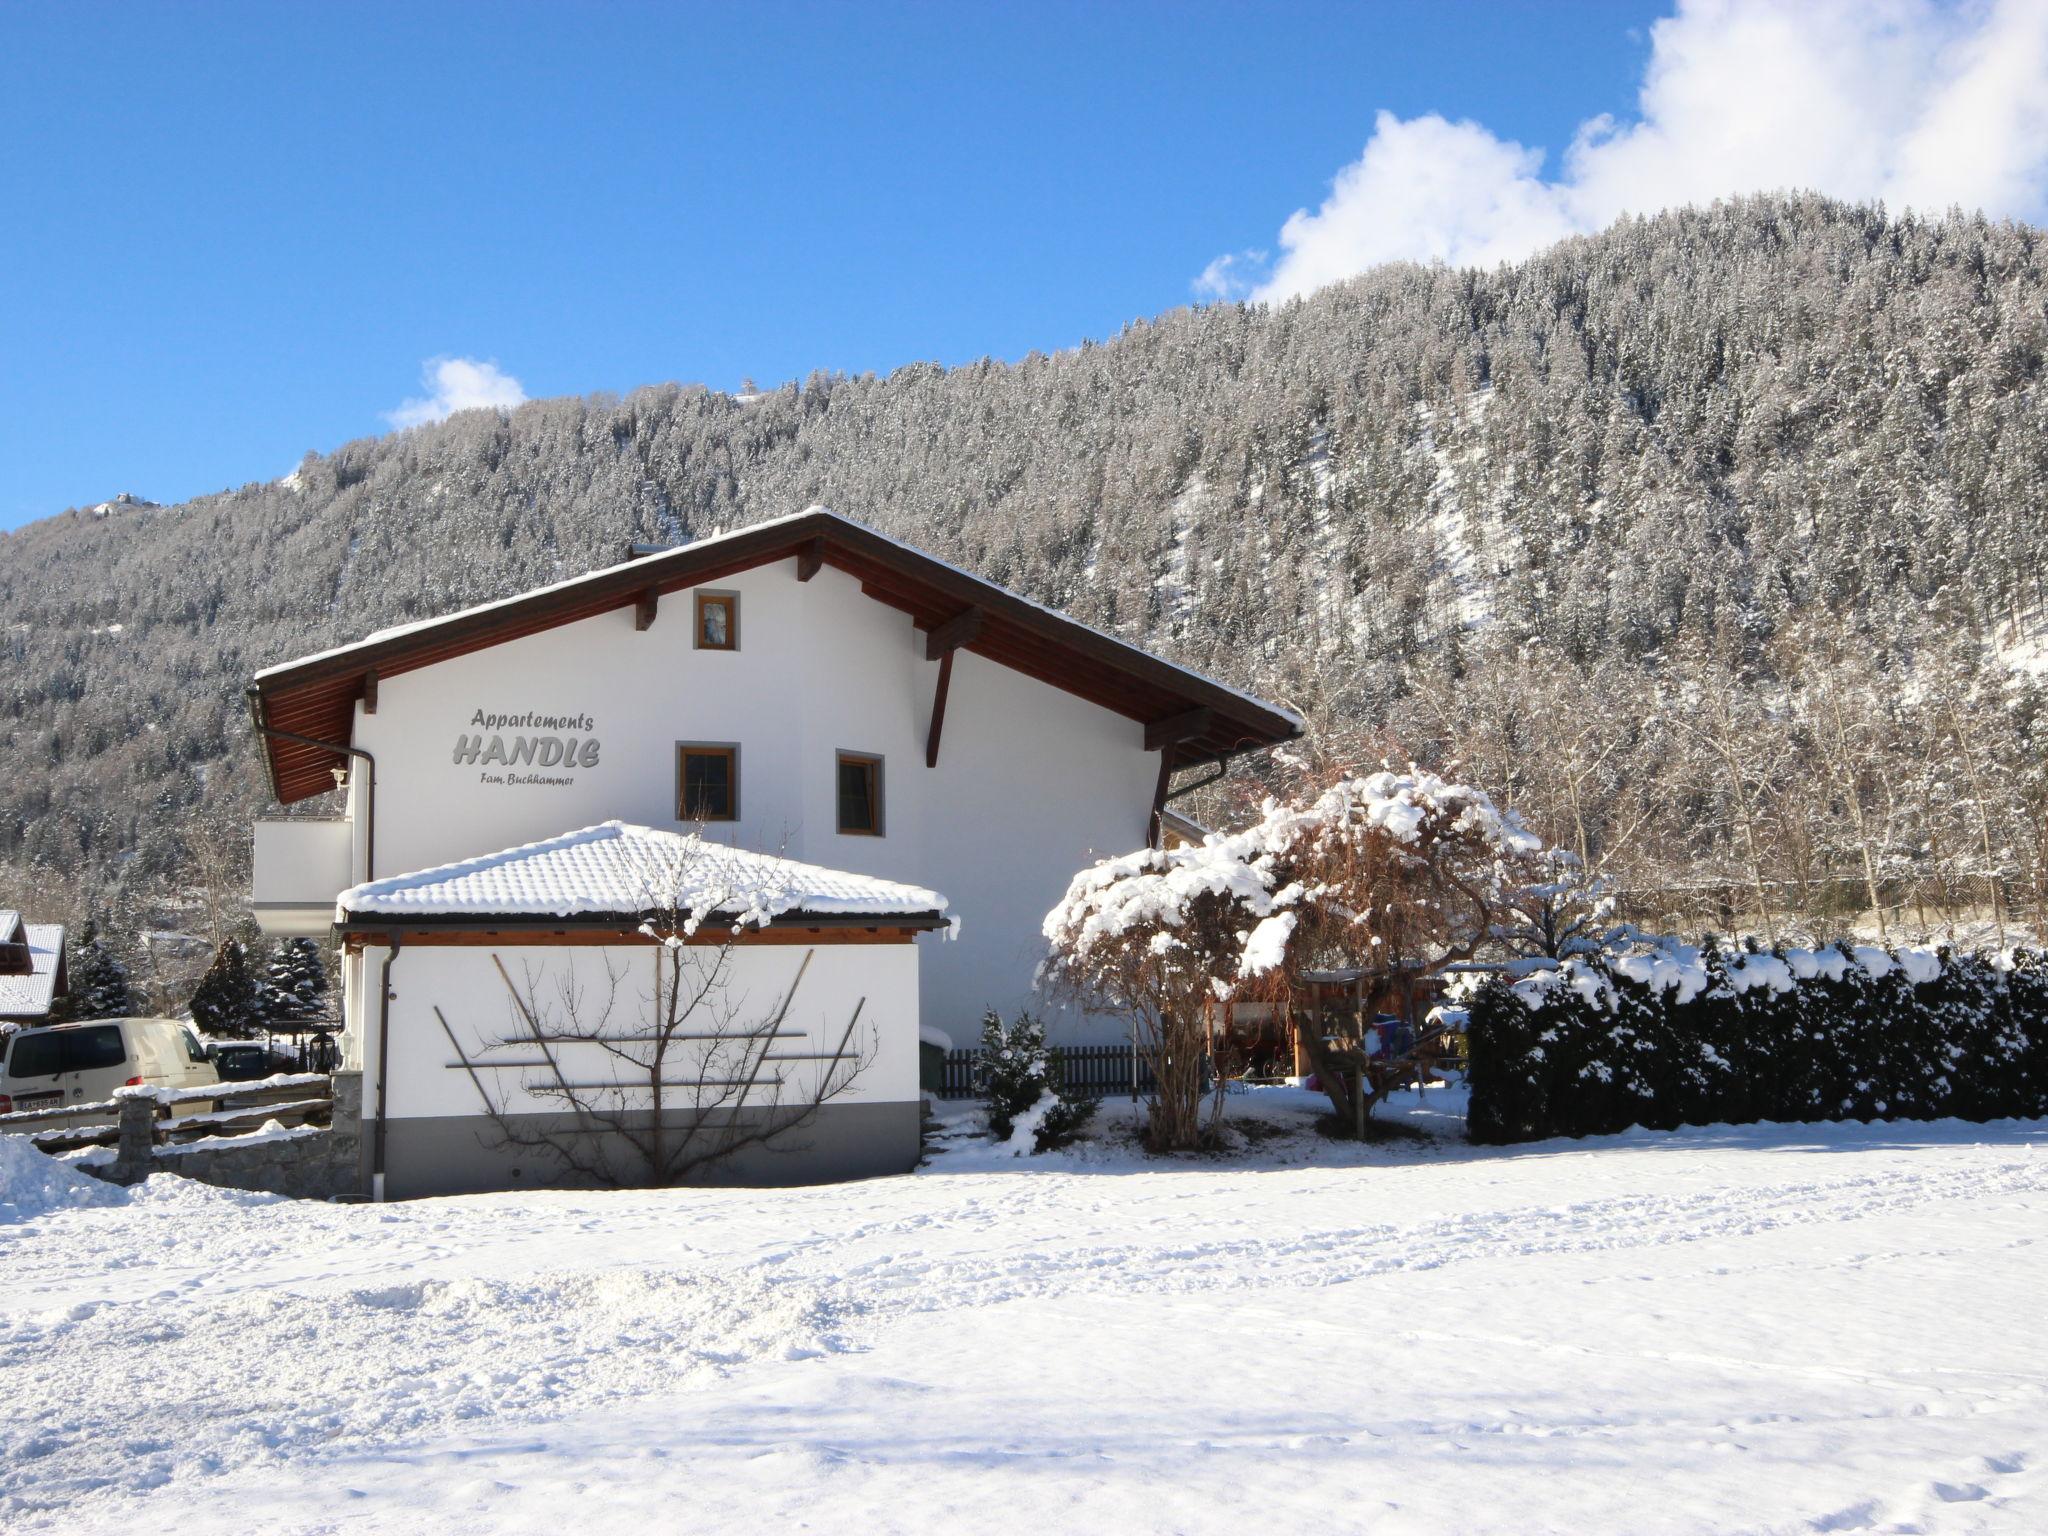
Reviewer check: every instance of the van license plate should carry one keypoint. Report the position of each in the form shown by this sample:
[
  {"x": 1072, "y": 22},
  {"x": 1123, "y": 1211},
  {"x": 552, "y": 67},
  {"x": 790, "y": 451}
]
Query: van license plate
[{"x": 27, "y": 1101}]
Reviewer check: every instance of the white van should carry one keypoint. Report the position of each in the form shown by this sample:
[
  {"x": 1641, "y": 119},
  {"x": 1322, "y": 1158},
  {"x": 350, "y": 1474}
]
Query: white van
[{"x": 53, "y": 1066}]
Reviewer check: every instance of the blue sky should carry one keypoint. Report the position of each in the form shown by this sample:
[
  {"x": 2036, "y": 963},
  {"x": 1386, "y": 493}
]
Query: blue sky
[{"x": 232, "y": 234}]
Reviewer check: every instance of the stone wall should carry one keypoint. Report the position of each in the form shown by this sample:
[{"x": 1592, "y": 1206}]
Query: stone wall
[{"x": 312, "y": 1164}]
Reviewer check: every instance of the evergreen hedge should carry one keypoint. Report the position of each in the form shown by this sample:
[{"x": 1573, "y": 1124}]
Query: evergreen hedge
[{"x": 1713, "y": 1037}]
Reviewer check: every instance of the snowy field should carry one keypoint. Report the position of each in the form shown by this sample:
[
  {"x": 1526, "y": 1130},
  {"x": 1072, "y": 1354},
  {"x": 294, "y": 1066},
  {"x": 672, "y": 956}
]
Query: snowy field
[{"x": 1763, "y": 1329}]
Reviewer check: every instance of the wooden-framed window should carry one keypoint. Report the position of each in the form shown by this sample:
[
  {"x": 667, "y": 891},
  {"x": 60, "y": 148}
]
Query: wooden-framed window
[
  {"x": 718, "y": 621},
  {"x": 860, "y": 794},
  {"x": 707, "y": 781}
]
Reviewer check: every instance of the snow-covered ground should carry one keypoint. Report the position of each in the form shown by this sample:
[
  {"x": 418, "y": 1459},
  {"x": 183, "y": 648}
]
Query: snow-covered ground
[{"x": 1765, "y": 1328}]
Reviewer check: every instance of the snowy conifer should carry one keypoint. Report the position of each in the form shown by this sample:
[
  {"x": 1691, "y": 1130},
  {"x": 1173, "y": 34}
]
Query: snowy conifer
[
  {"x": 99, "y": 985},
  {"x": 294, "y": 986},
  {"x": 228, "y": 1000},
  {"x": 1018, "y": 1074}
]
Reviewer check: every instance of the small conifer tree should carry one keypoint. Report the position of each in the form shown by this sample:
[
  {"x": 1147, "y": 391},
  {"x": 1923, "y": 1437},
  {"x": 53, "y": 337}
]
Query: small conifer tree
[
  {"x": 1017, "y": 1072},
  {"x": 99, "y": 985},
  {"x": 227, "y": 1000},
  {"x": 295, "y": 983}
]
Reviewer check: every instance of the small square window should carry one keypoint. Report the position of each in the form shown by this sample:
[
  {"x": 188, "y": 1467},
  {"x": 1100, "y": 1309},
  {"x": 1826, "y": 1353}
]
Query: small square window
[
  {"x": 860, "y": 794},
  {"x": 707, "y": 783},
  {"x": 718, "y": 621}
]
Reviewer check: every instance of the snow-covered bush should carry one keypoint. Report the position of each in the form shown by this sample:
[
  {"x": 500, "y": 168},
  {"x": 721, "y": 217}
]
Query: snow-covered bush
[
  {"x": 1391, "y": 874},
  {"x": 1021, "y": 1078},
  {"x": 1669, "y": 1034}
]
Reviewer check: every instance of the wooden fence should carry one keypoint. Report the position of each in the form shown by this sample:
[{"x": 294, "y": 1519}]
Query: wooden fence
[
  {"x": 184, "y": 1114},
  {"x": 1097, "y": 1071}
]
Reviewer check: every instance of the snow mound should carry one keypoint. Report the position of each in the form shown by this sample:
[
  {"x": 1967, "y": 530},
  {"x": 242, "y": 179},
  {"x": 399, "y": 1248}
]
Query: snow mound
[{"x": 33, "y": 1184}]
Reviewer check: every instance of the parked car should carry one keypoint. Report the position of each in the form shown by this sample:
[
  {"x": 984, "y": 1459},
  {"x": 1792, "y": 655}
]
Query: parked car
[
  {"x": 242, "y": 1061},
  {"x": 50, "y": 1066}
]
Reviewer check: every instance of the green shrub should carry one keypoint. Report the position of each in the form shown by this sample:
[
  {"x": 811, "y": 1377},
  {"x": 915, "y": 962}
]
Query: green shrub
[{"x": 1016, "y": 1071}]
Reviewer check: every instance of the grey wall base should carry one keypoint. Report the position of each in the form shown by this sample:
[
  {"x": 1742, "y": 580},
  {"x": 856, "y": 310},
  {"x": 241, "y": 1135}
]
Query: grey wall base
[{"x": 470, "y": 1154}]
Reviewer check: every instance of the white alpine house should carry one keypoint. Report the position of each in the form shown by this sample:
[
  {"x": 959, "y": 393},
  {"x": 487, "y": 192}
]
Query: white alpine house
[{"x": 805, "y": 708}]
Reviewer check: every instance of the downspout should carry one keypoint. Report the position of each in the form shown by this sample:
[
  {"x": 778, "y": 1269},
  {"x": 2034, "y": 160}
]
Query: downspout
[
  {"x": 265, "y": 728},
  {"x": 1221, "y": 762},
  {"x": 383, "y": 1067},
  {"x": 1164, "y": 795}
]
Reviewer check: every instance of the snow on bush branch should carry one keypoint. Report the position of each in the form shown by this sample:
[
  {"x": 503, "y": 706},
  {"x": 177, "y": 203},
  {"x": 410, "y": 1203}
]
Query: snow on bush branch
[
  {"x": 1262, "y": 873},
  {"x": 1390, "y": 874}
]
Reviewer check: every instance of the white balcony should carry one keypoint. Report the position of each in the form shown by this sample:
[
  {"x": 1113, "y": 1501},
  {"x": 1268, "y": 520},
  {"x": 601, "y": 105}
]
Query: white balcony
[{"x": 299, "y": 867}]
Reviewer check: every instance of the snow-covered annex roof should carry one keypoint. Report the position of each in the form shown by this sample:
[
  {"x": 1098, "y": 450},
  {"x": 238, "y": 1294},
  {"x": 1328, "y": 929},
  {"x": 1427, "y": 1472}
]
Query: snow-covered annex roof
[
  {"x": 617, "y": 871},
  {"x": 315, "y": 696},
  {"x": 26, "y": 995}
]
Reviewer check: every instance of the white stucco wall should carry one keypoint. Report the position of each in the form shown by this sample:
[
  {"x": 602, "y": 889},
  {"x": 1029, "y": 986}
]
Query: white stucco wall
[
  {"x": 1032, "y": 783},
  {"x": 427, "y": 1078}
]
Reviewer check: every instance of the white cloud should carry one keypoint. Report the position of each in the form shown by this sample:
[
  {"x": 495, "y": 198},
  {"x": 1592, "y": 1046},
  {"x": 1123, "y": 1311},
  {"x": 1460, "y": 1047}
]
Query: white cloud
[
  {"x": 458, "y": 384},
  {"x": 1224, "y": 277},
  {"x": 1921, "y": 104}
]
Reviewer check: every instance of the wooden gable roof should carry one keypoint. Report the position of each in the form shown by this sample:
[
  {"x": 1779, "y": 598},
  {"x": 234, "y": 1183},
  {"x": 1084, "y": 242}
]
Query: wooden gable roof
[{"x": 1196, "y": 717}]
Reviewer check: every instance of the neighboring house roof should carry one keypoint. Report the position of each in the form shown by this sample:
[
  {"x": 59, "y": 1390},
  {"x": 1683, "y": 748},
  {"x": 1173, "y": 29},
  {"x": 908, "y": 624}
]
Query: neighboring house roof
[
  {"x": 619, "y": 872},
  {"x": 315, "y": 696},
  {"x": 27, "y": 996}
]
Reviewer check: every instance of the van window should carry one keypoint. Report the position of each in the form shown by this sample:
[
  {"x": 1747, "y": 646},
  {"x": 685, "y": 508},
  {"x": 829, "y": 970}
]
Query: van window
[
  {"x": 88, "y": 1050},
  {"x": 45, "y": 1053},
  {"x": 35, "y": 1056},
  {"x": 194, "y": 1051}
]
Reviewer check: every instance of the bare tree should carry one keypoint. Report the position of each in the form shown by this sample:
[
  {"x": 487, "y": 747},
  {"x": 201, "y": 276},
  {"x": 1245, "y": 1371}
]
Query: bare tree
[{"x": 658, "y": 1086}]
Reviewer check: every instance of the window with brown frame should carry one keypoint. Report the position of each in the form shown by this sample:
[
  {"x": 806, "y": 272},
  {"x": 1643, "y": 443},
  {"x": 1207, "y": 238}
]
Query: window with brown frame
[
  {"x": 860, "y": 794},
  {"x": 707, "y": 781},
  {"x": 718, "y": 621}
]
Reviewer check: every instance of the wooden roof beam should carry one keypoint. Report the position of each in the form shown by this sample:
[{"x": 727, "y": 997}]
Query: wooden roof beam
[
  {"x": 1175, "y": 729},
  {"x": 644, "y": 608},
  {"x": 811, "y": 561},
  {"x": 931, "y": 740},
  {"x": 960, "y": 630}
]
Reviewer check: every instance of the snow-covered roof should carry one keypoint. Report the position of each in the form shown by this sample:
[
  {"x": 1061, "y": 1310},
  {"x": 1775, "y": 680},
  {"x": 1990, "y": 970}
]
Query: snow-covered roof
[
  {"x": 616, "y": 868},
  {"x": 29, "y": 996}
]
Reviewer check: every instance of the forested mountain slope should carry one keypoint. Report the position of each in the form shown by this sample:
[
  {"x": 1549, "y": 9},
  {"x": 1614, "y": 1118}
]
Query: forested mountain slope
[{"x": 1470, "y": 513}]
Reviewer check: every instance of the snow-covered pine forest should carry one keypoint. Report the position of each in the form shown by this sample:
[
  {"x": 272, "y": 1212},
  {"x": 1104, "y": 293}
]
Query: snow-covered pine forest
[{"x": 1712, "y": 544}]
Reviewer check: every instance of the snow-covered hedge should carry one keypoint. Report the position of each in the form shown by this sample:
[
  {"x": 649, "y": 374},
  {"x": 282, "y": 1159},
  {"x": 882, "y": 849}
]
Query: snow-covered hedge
[{"x": 1673, "y": 1035}]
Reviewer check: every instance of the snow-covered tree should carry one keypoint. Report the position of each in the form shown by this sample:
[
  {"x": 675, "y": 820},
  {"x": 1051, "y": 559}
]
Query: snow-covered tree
[
  {"x": 1390, "y": 874},
  {"x": 98, "y": 977},
  {"x": 294, "y": 986},
  {"x": 229, "y": 999}
]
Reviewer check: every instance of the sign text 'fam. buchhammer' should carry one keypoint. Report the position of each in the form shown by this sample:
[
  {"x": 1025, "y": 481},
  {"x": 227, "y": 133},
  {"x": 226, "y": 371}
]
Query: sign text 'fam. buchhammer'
[{"x": 543, "y": 742}]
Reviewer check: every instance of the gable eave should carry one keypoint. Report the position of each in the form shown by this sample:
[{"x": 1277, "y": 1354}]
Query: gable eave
[{"x": 315, "y": 696}]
